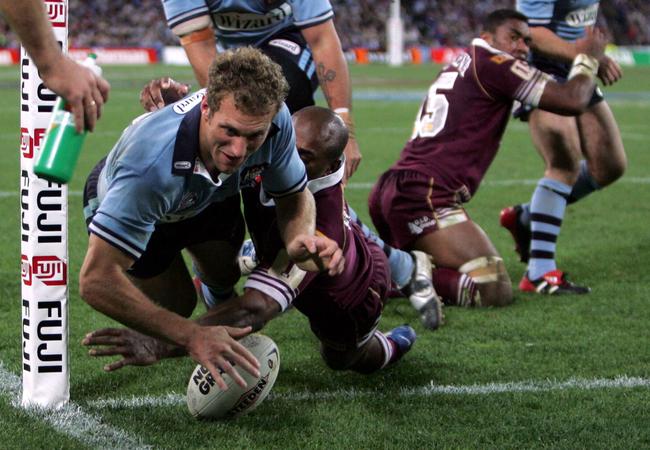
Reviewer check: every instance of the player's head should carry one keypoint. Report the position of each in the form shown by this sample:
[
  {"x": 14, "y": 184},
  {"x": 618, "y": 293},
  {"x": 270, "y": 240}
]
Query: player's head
[
  {"x": 507, "y": 30},
  {"x": 321, "y": 136},
  {"x": 245, "y": 91}
]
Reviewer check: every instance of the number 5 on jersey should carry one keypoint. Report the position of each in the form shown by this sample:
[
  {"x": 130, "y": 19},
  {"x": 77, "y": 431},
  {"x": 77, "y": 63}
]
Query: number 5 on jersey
[{"x": 432, "y": 115}]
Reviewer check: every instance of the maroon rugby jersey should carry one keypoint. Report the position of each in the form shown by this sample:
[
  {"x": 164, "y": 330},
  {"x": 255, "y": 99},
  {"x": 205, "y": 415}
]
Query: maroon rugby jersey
[
  {"x": 282, "y": 280},
  {"x": 459, "y": 126}
]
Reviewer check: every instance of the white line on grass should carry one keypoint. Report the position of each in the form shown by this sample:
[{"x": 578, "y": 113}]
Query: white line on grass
[
  {"x": 71, "y": 420},
  {"x": 354, "y": 186},
  {"x": 580, "y": 384}
]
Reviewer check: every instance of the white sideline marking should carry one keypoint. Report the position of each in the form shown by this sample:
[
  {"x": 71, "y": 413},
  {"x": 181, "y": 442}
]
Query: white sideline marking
[
  {"x": 71, "y": 420},
  {"x": 624, "y": 382},
  {"x": 368, "y": 185}
]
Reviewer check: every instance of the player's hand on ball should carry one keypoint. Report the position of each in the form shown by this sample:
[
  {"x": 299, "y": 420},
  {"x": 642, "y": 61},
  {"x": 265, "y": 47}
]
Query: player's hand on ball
[
  {"x": 135, "y": 348},
  {"x": 163, "y": 91},
  {"x": 316, "y": 254},
  {"x": 216, "y": 348}
]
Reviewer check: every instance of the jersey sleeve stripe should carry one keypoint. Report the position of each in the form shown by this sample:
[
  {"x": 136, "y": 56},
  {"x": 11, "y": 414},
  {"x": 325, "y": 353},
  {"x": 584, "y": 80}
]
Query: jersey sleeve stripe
[
  {"x": 298, "y": 187},
  {"x": 530, "y": 92},
  {"x": 115, "y": 240},
  {"x": 277, "y": 290},
  {"x": 315, "y": 20},
  {"x": 187, "y": 15},
  {"x": 543, "y": 21}
]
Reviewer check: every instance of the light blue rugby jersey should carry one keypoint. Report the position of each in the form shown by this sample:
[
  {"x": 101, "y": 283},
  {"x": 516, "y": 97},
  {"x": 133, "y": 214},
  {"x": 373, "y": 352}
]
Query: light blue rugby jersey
[
  {"x": 240, "y": 23},
  {"x": 566, "y": 18},
  {"x": 153, "y": 174}
]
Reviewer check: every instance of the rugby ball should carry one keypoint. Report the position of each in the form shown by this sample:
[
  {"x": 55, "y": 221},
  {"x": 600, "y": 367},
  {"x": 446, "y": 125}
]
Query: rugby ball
[{"x": 207, "y": 401}]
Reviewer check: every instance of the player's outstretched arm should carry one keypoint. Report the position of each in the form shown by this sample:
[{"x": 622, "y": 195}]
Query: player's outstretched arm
[
  {"x": 572, "y": 97},
  {"x": 334, "y": 80},
  {"x": 104, "y": 285},
  {"x": 84, "y": 91}
]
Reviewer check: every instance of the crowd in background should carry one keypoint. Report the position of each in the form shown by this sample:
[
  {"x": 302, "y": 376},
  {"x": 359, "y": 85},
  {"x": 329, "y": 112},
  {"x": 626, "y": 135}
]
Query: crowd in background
[{"x": 360, "y": 23}]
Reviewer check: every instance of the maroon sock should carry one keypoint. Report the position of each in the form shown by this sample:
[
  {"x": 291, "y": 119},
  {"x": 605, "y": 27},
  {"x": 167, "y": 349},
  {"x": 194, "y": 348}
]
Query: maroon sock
[{"x": 454, "y": 287}]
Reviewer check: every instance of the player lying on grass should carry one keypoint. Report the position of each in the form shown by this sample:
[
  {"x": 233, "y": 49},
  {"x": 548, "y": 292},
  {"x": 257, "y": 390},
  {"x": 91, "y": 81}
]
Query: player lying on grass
[
  {"x": 582, "y": 154},
  {"x": 418, "y": 203},
  {"x": 343, "y": 310},
  {"x": 172, "y": 182}
]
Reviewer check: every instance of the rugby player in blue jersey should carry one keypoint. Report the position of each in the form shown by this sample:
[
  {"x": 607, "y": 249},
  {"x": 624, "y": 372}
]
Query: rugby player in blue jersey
[
  {"x": 172, "y": 182},
  {"x": 297, "y": 34},
  {"x": 582, "y": 153},
  {"x": 343, "y": 310}
]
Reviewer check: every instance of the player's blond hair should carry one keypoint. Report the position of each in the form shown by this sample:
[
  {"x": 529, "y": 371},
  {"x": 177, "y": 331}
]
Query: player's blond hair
[{"x": 257, "y": 83}]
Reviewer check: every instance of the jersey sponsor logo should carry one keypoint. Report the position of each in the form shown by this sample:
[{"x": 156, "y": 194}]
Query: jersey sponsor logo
[
  {"x": 582, "y": 17},
  {"x": 182, "y": 165},
  {"x": 284, "y": 44},
  {"x": 522, "y": 70},
  {"x": 183, "y": 106},
  {"x": 233, "y": 21},
  {"x": 418, "y": 226}
]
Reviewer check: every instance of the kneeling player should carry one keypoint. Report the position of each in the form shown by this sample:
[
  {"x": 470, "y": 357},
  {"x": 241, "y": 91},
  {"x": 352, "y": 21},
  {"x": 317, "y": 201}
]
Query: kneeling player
[{"x": 418, "y": 203}]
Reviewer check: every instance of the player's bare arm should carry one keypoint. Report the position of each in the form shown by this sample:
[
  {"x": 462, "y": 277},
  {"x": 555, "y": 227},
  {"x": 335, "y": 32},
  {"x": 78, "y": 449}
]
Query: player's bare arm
[
  {"x": 252, "y": 310},
  {"x": 572, "y": 97},
  {"x": 334, "y": 80},
  {"x": 84, "y": 91},
  {"x": 548, "y": 43},
  {"x": 104, "y": 285},
  {"x": 200, "y": 47},
  {"x": 296, "y": 220}
]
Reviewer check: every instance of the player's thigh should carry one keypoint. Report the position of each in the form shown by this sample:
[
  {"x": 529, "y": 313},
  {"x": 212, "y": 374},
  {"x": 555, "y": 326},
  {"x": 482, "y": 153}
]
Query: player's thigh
[
  {"x": 602, "y": 143},
  {"x": 173, "y": 288},
  {"x": 453, "y": 246},
  {"x": 557, "y": 140}
]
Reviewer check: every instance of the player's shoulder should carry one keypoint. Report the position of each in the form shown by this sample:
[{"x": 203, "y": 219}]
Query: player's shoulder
[{"x": 491, "y": 62}]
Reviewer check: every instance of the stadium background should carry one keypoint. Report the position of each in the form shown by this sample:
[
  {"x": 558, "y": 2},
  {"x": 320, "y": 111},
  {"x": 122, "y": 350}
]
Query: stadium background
[{"x": 544, "y": 373}]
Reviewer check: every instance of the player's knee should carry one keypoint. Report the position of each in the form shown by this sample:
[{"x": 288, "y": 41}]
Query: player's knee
[
  {"x": 609, "y": 172},
  {"x": 492, "y": 280},
  {"x": 496, "y": 294}
]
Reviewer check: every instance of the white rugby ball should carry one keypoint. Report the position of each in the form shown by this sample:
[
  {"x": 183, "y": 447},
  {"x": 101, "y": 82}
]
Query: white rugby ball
[{"x": 206, "y": 400}]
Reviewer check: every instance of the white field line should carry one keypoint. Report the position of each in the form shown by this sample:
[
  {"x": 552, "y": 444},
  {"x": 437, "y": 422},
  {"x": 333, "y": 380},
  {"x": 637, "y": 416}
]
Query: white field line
[
  {"x": 578, "y": 384},
  {"x": 71, "y": 420},
  {"x": 354, "y": 186}
]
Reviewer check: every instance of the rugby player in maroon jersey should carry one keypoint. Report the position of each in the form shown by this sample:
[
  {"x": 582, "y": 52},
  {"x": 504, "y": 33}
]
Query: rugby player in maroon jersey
[
  {"x": 418, "y": 202},
  {"x": 343, "y": 310}
]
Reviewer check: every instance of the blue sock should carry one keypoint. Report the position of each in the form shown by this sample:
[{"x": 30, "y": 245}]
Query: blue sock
[
  {"x": 584, "y": 185},
  {"x": 214, "y": 295},
  {"x": 547, "y": 208},
  {"x": 401, "y": 263}
]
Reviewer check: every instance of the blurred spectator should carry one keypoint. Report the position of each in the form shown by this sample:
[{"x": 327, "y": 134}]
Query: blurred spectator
[{"x": 360, "y": 23}]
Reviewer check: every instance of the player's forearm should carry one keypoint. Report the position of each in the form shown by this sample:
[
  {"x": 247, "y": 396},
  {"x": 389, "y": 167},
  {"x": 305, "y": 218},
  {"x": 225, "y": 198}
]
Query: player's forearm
[
  {"x": 296, "y": 215},
  {"x": 253, "y": 308},
  {"x": 550, "y": 44},
  {"x": 201, "y": 54},
  {"x": 28, "y": 19}
]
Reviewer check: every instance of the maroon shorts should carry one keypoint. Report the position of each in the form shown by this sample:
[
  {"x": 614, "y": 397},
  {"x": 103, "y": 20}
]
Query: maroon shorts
[
  {"x": 406, "y": 205},
  {"x": 345, "y": 327}
]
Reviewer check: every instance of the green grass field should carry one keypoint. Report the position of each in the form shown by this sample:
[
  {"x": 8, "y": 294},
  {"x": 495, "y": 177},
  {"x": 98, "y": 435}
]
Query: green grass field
[{"x": 543, "y": 373}]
